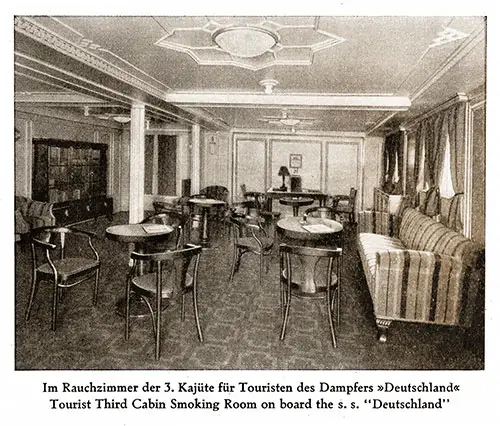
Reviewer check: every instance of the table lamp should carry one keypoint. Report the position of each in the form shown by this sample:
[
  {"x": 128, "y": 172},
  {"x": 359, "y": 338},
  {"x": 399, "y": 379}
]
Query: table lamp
[{"x": 283, "y": 172}]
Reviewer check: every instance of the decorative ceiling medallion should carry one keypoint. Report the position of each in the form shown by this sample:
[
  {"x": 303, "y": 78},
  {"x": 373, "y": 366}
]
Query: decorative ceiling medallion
[
  {"x": 260, "y": 45},
  {"x": 446, "y": 36},
  {"x": 245, "y": 42}
]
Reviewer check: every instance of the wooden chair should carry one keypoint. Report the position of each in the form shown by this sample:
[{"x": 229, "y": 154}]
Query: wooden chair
[
  {"x": 305, "y": 262},
  {"x": 176, "y": 239},
  {"x": 249, "y": 236},
  {"x": 49, "y": 248},
  {"x": 320, "y": 212},
  {"x": 175, "y": 274},
  {"x": 344, "y": 206}
]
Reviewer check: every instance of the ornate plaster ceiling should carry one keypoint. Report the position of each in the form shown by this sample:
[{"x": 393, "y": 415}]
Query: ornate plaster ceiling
[{"x": 290, "y": 43}]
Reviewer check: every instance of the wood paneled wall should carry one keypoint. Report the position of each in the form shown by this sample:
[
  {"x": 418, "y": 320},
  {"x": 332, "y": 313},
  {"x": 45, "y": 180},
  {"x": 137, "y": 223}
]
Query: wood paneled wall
[{"x": 332, "y": 163}]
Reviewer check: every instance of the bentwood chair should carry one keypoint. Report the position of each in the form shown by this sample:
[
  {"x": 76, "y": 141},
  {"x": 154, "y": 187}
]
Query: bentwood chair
[
  {"x": 321, "y": 266},
  {"x": 65, "y": 257},
  {"x": 176, "y": 239},
  {"x": 344, "y": 206},
  {"x": 175, "y": 274},
  {"x": 217, "y": 192},
  {"x": 249, "y": 236},
  {"x": 320, "y": 212},
  {"x": 255, "y": 205}
]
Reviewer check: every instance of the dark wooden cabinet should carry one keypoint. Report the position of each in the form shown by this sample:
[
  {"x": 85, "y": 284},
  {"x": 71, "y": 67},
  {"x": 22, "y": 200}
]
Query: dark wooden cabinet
[{"x": 73, "y": 176}]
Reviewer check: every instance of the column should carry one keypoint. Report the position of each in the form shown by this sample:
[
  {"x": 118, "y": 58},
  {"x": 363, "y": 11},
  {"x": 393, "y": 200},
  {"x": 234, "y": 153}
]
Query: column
[
  {"x": 136, "y": 199},
  {"x": 195, "y": 158}
]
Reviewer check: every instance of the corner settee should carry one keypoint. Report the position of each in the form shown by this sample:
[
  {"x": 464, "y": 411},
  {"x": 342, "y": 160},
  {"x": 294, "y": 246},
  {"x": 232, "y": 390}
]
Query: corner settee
[
  {"x": 417, "y": 270},
  {"x": 30, "y": 214}
]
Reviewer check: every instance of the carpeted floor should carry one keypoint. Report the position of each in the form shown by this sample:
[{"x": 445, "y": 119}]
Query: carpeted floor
[{"x": 241, "y": 324}]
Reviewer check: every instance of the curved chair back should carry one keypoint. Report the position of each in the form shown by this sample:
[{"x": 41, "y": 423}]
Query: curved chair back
[
  {"x": 175, "y": 274},
  {"x": 320, "y": 212},
  {"x": 250, "y": 236},
  {"x": 345, "y": 205},
  {"x": 216, "y": 192},
  {"x": 60, "y": 256},
  {"x": 177, "y": 262},
  {"x": 302, "y": 272},
  {"x": 175, "y": 219}
]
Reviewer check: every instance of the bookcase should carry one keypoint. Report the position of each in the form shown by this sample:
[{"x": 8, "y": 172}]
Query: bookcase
[{"x": 73, "y": 176}]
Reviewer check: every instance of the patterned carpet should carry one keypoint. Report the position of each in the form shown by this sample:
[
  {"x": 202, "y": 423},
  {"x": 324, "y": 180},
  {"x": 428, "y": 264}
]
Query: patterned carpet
[{"x": 241, "y": 324}]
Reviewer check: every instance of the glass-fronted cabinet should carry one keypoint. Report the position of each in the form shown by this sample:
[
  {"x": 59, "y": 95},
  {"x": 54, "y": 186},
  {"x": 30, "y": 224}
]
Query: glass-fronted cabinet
[{"x": 73, "y": 176}]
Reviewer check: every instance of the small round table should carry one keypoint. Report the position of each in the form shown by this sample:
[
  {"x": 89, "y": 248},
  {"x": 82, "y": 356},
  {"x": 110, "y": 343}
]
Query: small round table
[
  {"x": 136, "y": 233},
  {"x": 314, "y": 232},
  {"x": 205, "y": 204},
  {"x": 311, "y": 230},
  {"x": 296, "y": 202}
]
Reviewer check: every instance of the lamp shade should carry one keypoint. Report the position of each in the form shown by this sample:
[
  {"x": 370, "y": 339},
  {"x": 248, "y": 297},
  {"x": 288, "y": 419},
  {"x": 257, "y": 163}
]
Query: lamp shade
[{"x": 283, "y": 171}]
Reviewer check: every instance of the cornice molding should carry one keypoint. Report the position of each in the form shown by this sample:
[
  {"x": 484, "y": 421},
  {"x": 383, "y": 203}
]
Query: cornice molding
[
  {"x": 459, "y": 97},
  {"x": 26, "y": 111},
  {"x": 457, "y": 55},
  {"x": 35, "y": 31},
  {"x": 55, "y": 98},
  {"x": 319, "y": 101},
  {"x": 321, "y": 135}
]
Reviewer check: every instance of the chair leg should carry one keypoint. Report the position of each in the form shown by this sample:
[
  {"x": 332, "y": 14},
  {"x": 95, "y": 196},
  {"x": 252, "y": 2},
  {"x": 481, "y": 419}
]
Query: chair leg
[
  {"x": 183, "y": 307},
  {"x": 288, "y": 299},
  {"x": 127, "y": 310},
  {"x": 55, "y": 298},
  {"x": 158, "y": 326},
  {"x": 196, "y": 313},
  {"x": 337, "y": 302},
  {"x": 34, "y": 288},
  {"x": 261, "y": 267},
  {"x": 329, "y": 302},
  {"x": 96, "y": 287},
  {"x": 234, "y": 266}
]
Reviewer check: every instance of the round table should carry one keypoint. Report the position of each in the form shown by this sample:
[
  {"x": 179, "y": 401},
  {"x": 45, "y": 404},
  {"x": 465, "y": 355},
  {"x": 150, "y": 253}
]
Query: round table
[
  {"x": 296, "y": 202},
  {"x": 313, "y": 229},
  {"x": 205, "y": 204},
  {"x": 313, "y": 232},
  {"x": 136, "y": 233}
]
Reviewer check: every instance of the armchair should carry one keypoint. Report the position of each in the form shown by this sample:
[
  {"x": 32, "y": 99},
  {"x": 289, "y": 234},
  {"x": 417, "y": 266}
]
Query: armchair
[{"x": 344, "y": 205}]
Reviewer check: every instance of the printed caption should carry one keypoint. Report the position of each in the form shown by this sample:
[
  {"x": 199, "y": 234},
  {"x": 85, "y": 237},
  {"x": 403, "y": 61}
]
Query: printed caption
[{"x": 241, "y": 395}]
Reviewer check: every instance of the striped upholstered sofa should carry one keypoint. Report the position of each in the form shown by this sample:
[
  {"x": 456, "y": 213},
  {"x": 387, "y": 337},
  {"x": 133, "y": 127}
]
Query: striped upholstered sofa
[{"x": 418, "y": 271}]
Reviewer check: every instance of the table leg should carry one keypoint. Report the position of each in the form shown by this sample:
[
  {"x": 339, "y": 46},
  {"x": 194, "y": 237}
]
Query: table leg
[
  {"x": 205, "y": 235},
  {"x": 295, "y": 210}
]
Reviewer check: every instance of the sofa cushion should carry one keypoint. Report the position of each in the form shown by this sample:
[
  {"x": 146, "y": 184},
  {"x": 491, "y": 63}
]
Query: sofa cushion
[
  {"x": 370, "y": 244},
  {"x": 419, "y": 232}
]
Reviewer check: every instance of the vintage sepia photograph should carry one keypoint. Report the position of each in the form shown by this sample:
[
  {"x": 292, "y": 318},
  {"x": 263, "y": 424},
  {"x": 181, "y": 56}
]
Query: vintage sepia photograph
[{"x": 249, "y": 193}]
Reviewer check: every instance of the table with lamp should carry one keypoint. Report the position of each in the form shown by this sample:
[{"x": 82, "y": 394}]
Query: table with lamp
[{"x": 282, "y": 192}]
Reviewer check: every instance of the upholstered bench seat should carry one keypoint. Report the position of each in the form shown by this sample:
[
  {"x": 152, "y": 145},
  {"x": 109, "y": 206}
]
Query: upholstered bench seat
[
  {"x": 421, "y": 275},
  {"x": 370, "y": 244}
]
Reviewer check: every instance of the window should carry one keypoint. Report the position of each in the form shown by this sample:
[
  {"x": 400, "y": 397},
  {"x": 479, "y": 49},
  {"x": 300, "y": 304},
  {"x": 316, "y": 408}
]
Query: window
[
  {"x": 422, "y": 184},
  {"x": 446, "y": 184},
  {"x": 160, "y": 162}
]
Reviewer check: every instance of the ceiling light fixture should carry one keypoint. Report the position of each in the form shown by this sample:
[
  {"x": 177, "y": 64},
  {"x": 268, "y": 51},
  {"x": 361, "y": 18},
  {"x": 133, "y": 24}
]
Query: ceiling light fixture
[
  {"x": 246, "y": 41},
  {"x": 122, "y": 119},
  {"x": 268, "y": 85},
  {"x": 292, "y": 122}
]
